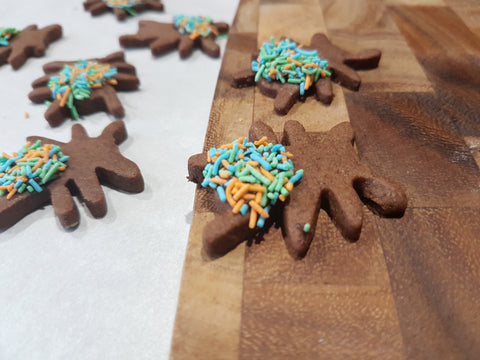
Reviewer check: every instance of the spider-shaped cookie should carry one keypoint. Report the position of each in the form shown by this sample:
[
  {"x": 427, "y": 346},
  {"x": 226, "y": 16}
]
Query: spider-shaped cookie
[
  {"x": 166, "y": 37},
  {"x": 84, "y": 87},
  {"x": 333, "y": 179},
  {"x": 29, "y": 42},
  {"x": 287, "y": 72},
  {"x": 121, "y": 8},
  {"x": 91, "y": 162}
]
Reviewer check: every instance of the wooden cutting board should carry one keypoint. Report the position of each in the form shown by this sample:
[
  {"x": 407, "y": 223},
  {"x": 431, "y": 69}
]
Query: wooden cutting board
[{"x": 410, "y": 287}]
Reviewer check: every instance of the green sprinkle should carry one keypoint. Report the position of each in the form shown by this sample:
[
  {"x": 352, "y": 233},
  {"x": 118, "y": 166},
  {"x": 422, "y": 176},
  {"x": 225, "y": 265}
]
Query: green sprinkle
[
  {"x": 306, "y": 228},
  {"x": 6, "y": 34},
  {"x": 286, "y": 62},
  {"x": 24, "y": 178}
]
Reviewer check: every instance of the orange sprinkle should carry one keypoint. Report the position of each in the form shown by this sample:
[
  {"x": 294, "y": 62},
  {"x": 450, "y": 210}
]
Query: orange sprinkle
[
  {"x": 62, "y": 168},
  {"x": 227, "y": 146},
  {"x": 298, "y": 63},
  {"x": 214, "y": 158},
  {"x": 96, "y": 86},
  {"x": 225, "y": 163},
  {"x": 112, "y": 81},
  {"x": 262, "y": 141},
  {"x": 253, "y": 219},
  {"x": 209, "y": 158},
  {"x": 11, "y": 193},
  {"x": 256, "y": 188},
  {"x": 289, "y": 155},
  {"x": 225, "y": 175},
  {"x": 311, "y": 65},
  {"x": 282, "y": 197},
  {"x": 241, "y": 155},
  {"x": 6, "y": 156},
  {"x": 38, "y": 164},
  {"x": 195, "y": 34},
  {"x": 242, "y": 191},
  {"x": 247, "y": 197},
  {"x": 255, "y": 207},
  {"x": 258, "y": 197},
  {"x": 289, "y": 186},
  {"x": 15, "y": 168},
  {"x": 288, "y": 66},
  {"x": 267, "y": 174},
  {"x": 228, "y": 192},
  {"x": 218, "y": 181},
  {"x": 65, "y": 96},
  {"x": 253, "y": 163},
  {"x": 308, "y": 82},
  {"x": 238, "y": 206}
]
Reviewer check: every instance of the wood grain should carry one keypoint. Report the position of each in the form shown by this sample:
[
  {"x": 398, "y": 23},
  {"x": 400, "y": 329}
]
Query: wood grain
[
  {"x": 409, "y": 287},
  {"x": 334, "y": 304},
  {"x": 207, "y": 325},
  {"x": 433, "y": 256}
]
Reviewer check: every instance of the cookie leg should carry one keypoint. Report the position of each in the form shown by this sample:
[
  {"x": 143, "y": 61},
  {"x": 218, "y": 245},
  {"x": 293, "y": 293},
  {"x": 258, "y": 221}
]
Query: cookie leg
[
  {"x": 64, "y": 206},
  {"x": 386, "y": 198},
  {"x": 210, "y": 47},
  {"x": 185, "y": 46},
  {"x": 92, "y": 194}
]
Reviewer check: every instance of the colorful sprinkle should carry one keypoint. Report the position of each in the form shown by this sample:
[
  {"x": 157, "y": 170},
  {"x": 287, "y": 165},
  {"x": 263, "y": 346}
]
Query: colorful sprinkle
[
  {"x": 251, "y": 176},
  {"x": 126, "y": 5},
  {"x": 306, "y": 228},
  {"x": 286, "y": 62},
  {"x": 75, "y": 82},
  {"x": 196, "y": 26},
  {"x": 6, "y": 34},
  {"x": 31, "y": 167}
]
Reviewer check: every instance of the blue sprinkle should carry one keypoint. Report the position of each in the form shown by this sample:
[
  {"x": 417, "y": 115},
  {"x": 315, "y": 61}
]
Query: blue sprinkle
[
  {"x": 221, "y": 193},
  {"x": 35, "y": 185},
  {"x": 18, "y": 184},
  {"x": 244, "y": 209}
]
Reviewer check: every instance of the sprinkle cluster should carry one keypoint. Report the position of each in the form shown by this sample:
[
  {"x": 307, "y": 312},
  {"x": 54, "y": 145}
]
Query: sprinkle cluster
[
  {"x": 287, "y": 62},
  {"x": 33, "y": 166},
  {"x": 251, "y": 176},
  {"x": 195, "y": 25},
  {"x": 6, "y": 34},
  {"x": 77, "y": 81},
  {"x": 126, "y": 5}
]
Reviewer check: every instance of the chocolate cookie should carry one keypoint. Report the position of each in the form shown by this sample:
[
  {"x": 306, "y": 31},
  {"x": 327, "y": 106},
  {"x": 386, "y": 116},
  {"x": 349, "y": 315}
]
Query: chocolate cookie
[
  {"x": 287, "y": 72},
  {"x": 84, "y": 87},
  {"x": 17, "y": 46},
  {"x": 333, "y": 179},
  {"x": 85, "y": 163},
  {"x": 185, "y": 33},
  {"x": 121, "y": 8}
]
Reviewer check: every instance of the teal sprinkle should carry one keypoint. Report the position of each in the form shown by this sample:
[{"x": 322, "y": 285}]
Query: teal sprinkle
[
  {"x": 7, "y": 34},
  {"x": 274, "y": 57},
  {"x": 126, "y": 5},
  {"x": 25, "y": 178},
  {"x": 81, "y": 87},
  {"x": 201, "y": 25},
  {"x": 239, "y": 169}
]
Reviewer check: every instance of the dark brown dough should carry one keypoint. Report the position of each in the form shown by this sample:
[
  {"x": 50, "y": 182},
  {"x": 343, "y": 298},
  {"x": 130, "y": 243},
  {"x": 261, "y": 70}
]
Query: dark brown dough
[
  {"x": 334, "y": 179},
  {"x": 93, "y": 161},
  {"x": 341, "y": 63},
  {"x": 102, "y": 99},
  {"x": 99, "y": 7},
  {"x": 30, "y": 42},
  {"x": 164, "y": 37}
]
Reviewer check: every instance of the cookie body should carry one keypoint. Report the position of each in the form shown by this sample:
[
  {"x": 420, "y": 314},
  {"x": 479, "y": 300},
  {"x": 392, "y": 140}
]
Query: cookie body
[{"x": 92, "y": 162}]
